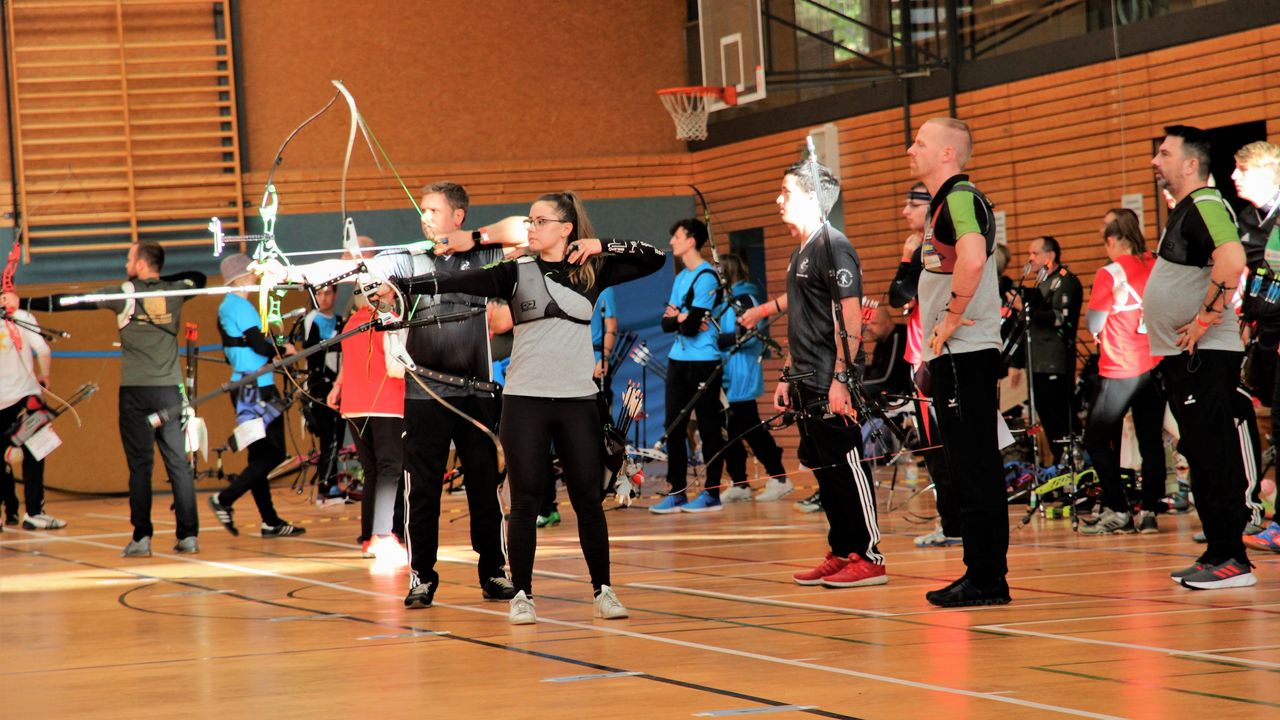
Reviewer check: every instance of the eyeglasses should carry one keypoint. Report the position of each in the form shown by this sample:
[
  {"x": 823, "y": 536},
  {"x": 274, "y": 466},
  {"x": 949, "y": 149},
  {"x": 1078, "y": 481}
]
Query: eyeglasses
[{"x": 538, "y": 223}]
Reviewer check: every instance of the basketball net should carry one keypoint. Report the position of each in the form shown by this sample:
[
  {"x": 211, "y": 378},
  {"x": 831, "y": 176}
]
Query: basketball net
[{"x": 688, "y": 107}]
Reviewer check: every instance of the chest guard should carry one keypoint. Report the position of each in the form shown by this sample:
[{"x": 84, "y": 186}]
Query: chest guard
[
  {"x": 939, "y": 257},
  {"x": 532, "y": 300},
  {"x": 125, "y": 316},
  {"x": 1175, "y": 246}
]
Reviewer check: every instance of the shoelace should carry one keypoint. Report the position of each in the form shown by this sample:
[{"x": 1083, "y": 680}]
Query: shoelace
[{"x": 609, "y": 601}]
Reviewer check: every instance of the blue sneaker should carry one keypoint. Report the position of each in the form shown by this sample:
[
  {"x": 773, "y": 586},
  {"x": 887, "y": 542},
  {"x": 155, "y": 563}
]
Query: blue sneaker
[
  {"x": 670, "y": 504},
  {"x": 705, "y": 502},
  {"x": 1268, "y": 539}
]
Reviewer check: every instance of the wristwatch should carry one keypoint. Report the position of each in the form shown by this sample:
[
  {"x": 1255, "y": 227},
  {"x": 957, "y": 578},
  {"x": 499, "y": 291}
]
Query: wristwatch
[{"x": 842, "y": 377}]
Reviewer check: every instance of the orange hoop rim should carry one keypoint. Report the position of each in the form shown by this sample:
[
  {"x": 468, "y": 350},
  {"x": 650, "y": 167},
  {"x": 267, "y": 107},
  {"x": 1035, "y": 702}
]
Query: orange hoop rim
[{"x": 726, "y": 93}]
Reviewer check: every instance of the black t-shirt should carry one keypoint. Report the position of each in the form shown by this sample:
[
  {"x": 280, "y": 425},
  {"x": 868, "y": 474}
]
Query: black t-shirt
[
  {"x": 810, "y": 324},
  {"x": 458, "y": 347}
]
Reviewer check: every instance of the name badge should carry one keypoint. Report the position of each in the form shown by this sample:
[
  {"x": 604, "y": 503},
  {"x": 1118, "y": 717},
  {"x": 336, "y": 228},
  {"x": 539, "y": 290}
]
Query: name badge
[{"x": 929, "y": 256}]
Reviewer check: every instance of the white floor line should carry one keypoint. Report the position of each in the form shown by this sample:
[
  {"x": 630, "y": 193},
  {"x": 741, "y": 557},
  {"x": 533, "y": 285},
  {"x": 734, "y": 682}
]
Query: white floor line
[
  {"x": 760, "y": 600},
  {"x": 1231, "y": 659},
  {"x": 1240, "y": 649},
  {"x": 64, "y": 538},
  {"x": 648, "y": 638},
  {"x": 442, "y": 558},
  {"x": 125, "y": 518},
  {"x": 1152, "y": 613},
  {"x": 1026, "y": 578},
  {"x": 1020, "y": 606}
]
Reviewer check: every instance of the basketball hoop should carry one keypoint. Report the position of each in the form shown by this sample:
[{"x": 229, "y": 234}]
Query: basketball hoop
[{"x": 688, "y": 107}]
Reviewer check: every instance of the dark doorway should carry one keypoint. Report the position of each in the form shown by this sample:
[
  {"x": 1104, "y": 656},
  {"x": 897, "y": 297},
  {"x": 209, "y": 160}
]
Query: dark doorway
[{"x": 749, "y": 245}]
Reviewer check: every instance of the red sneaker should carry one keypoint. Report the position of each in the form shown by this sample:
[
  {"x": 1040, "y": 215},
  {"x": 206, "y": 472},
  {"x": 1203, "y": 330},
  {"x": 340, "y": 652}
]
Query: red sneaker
[
  {"x": 856, "y": 573},
  {"x": 829, "y": 566}
]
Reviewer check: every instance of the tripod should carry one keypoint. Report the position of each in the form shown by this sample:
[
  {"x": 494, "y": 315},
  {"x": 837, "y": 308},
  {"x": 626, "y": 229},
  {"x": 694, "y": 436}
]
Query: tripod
[{"x": 1066, "y": 449}]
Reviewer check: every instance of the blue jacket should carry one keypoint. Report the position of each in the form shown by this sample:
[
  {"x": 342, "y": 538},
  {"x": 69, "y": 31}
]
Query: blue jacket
[{"x": 743, "y": 372}]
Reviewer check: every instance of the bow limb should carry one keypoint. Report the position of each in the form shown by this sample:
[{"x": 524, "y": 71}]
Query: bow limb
[
  {"x": 351, "y": 242},
  {"x": 6, "y": 287},
  {"x": 706, "y": 220}
]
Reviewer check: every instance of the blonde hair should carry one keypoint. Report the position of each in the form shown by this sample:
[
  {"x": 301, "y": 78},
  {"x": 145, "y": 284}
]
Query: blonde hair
[
  {"x": 964, "y": 150},
  {"x": 571, "y": 210},
  {"x": 1260, "y": 155}
]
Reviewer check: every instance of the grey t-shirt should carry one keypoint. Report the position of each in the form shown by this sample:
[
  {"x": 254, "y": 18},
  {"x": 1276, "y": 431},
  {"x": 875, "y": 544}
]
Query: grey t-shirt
[
  {"x": 1174, "y": 295},
  {"x": 958, "y": 210},
  {"x": 1199, "y": 224},
  {"x": 983, "y": 309}
]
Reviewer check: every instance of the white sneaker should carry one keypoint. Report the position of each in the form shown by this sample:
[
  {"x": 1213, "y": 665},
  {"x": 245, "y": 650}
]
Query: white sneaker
[
  {"x": 522, "y": 610},
  {"x": 937, "y": 539},
  {"x": 607, "y": 605},
  {"x": 42, "y": 522},
  {"x": 736, "y": 493},
  {"x": 775, "y": 490}
]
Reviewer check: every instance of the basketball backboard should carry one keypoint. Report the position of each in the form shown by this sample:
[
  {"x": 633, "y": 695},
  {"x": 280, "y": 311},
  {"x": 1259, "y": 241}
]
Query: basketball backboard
[{"x": 732, "y": 48}]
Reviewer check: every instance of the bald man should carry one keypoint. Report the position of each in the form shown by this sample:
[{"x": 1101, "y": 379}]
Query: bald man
[{"x": 960, "y": 309}]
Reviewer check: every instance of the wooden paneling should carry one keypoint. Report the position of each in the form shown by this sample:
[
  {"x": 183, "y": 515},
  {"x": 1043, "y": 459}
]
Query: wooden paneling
[
  {"x": 126, "y": 121},
  {"x": 368, "y": 188},
  {"x": 1053, "y": 152}
]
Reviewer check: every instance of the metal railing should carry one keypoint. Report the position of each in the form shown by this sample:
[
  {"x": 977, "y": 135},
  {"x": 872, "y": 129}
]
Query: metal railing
[{"x": 831, "y": 42}]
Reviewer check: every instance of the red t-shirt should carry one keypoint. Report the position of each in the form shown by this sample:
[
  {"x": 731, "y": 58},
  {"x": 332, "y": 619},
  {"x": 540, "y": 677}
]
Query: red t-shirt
[
  {"x": 1124, "y": 351},
  {"x": 915, "y": 338},
  {"x": 366, "y": 387}
]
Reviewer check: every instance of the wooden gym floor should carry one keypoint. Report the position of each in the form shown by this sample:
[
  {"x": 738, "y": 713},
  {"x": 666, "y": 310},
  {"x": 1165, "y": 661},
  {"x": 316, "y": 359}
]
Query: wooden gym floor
[{"x": 301, "y": 627}]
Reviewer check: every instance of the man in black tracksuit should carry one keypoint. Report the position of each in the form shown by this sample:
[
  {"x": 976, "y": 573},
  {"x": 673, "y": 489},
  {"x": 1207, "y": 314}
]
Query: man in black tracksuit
[
  {"x": 1054, "y": 306},
  {"x": 458, "y": 353},
  {"x": 825, "y": 270}
]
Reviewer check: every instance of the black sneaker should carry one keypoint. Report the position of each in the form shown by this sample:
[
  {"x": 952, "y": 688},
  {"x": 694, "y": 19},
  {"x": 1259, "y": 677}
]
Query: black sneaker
[
  {"x": 813, "y": 503},
  {"x": 421, "y": 595},
  {"x": 1146, "y": 523},
  {"x": 11, "y": 519},
  {"x": 966, "y": 593},
  {"x": 223, "y": 514},
  {"x": 281, "y": 530},
  {"x": 498, "y": 588}
]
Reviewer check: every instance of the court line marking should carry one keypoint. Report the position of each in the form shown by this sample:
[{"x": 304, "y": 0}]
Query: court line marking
[
  {"x": 63, "y": 538},
  {"x": 1226, "y": 659},
  {"x": 417, "y": 632},
  {"x": 778, "y": 600},
  {"x": 1151, "y": 685},
  {"x": 101, "y": 516},
  {"x": 772, "y": 659},
  {"x": 761, "y": 600},
  {"x": 1002, "y": 627},
  {"x": 1240, "y": 649},
  {"x": 1152, "y": 613}
]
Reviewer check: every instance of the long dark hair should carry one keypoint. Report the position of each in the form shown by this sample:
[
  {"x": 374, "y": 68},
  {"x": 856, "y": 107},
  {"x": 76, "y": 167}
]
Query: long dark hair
[
  {"x": 734, "y": 268},
  {"x": 571, "y": 210},
  {"x": 1126, "y": 230}
]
